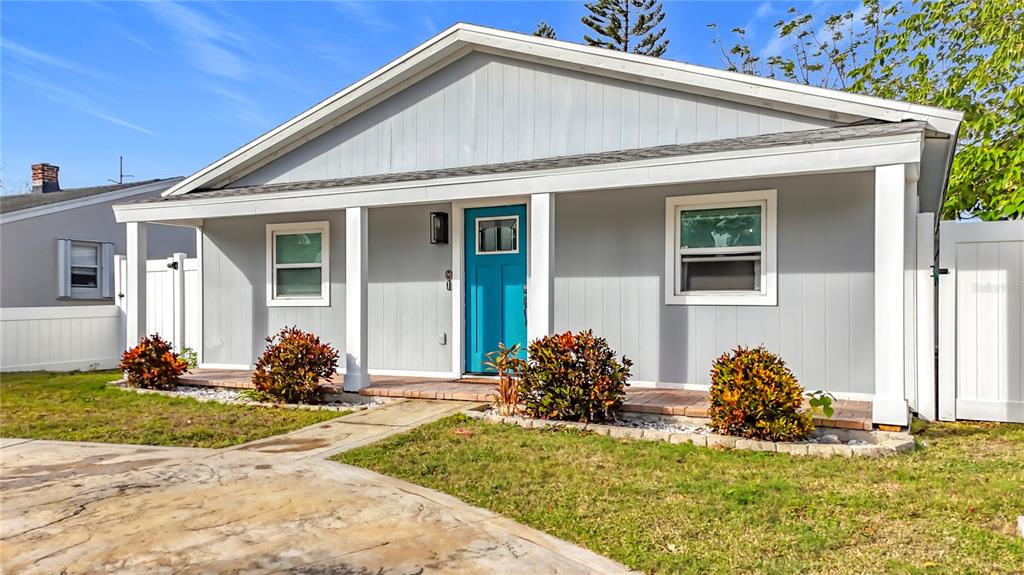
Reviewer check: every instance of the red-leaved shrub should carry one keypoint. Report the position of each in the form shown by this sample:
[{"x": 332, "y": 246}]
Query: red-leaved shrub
[
  {"x": 292, "y": 367},
  {"x": 574, "y": 377},
  {"x": 152, "y": 364}
]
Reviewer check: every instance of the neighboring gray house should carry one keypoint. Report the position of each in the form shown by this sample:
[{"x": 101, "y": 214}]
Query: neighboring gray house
[
  {"x": 494, "y": 187},
  {"x": 57, "y": 246}
]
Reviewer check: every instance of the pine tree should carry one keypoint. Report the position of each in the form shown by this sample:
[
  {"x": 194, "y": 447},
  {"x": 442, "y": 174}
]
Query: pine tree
[
  {"x": 544, "y": 30},
  {"x": 627, "y": 26}
]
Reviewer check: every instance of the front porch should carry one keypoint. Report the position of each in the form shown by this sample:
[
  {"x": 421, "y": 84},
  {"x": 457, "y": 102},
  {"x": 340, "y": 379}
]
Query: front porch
[{"x": 849, "y": 414}]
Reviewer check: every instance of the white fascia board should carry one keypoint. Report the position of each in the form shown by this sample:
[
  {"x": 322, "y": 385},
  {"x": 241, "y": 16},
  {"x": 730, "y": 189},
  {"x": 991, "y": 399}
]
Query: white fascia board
[
  {"x": 111, "y": 196},
  {"x": 461, "y": 39},
  {"x": 743, "y": 164}
]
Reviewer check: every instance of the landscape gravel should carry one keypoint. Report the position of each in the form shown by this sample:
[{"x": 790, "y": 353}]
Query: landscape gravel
[{"x": 234, "y": 396}]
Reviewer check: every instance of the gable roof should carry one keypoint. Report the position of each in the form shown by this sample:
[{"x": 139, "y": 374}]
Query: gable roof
[
  {"x": 817, "y": 136},
  {"x": 462, "y": 39},
  {"x": 22, "y": 206}
]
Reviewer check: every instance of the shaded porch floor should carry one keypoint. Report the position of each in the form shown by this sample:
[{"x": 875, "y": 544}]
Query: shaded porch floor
[{"x": 848, "y": 414}]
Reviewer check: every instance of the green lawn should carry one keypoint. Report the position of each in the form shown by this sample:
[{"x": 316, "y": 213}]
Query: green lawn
[
  {"x": 949, "y": 508},
  {"x": 81, "y": 406}
]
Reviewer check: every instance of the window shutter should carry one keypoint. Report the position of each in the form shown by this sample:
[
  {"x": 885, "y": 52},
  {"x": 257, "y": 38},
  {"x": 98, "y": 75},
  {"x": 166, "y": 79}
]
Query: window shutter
[
  {"x": 106, "y": 270},
  {"x": 63, "y": 268}
]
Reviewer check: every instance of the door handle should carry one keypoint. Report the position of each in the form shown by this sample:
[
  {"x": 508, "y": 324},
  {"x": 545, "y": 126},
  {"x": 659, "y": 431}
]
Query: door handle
[{"x": 448, "y": 280}]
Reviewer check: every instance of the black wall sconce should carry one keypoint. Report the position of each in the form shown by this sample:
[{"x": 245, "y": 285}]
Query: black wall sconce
[{"x": 439, "y": 227}]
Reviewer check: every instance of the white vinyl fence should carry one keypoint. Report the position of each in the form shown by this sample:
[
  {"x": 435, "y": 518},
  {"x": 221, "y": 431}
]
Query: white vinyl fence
[
  {"x": 60, "y": 338},
  {"x": 981, "y": 319},
  {"x": 64, "y": 338}
]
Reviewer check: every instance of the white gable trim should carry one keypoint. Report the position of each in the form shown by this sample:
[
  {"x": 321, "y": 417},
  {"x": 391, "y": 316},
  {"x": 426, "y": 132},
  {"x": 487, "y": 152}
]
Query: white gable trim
[
  {"x": 461, "y": 39},
  {"x": 840, "y": 156},
  {"x": 111, "y": 196}
]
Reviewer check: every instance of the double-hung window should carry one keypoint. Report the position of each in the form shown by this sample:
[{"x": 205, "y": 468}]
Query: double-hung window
[
  {"x": 720, "y": 249},
  {"x": 298, "y": 264},
  {"x": 85, "y": 269}
]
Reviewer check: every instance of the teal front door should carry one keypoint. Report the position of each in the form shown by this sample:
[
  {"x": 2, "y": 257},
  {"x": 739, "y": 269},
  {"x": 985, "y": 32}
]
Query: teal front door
[{"x": 495, "y": 282}]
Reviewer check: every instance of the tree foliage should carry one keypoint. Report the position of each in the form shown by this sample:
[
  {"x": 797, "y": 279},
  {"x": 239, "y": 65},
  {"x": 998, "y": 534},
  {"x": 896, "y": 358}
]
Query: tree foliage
[
  {"x": 627, "y": 26},
  {"x": 966, "y": 55},
  {"x": 544, "y": 30}
]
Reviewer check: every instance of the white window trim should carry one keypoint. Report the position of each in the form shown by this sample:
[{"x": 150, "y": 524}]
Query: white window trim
[
  {"x": 476, "y": 235},
  {"x": 323, "y": 228},
  {"x": 84, "y": 292},
  {"x": 768, "y": 295}
]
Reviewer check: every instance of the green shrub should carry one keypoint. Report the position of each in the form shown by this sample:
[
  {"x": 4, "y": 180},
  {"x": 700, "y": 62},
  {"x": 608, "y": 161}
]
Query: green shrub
[
  {"x": 152, "y": 364},
  {"x": 573, "y": 377},
  {"x": 293, "y": 365},
  {"x": 754, "y": 395},
  {"x": 190, "y": 356}
]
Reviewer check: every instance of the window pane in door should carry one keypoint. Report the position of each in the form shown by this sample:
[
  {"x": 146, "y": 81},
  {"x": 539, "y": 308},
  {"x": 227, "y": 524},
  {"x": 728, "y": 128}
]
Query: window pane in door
[
  {"x": 497, "y": 235},
  {"x": 720, "y": 227},
  {"x": 297, "y": 248},
  {"x": 83, "y": 255},
  {"x": 714, "y": 274},
  {"x": 83, "y": 277},
  {"x": 298, "y": 282}
]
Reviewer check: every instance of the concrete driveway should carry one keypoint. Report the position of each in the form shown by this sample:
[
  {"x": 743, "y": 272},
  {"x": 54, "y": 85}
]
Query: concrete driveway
[{"x": 97, "y": 508}]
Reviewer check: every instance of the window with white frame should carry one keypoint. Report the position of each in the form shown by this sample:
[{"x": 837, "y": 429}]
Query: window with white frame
[
  {"x": 497, "y": 235},
  {"x": 298, "y": 264},
  {"x": 85, "y": 269},
  {"x": 720, "y": 249}
]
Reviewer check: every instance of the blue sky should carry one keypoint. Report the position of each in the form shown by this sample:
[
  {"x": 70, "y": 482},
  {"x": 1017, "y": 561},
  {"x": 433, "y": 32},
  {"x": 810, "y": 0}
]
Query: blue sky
[{"x": 174, "y": 86}]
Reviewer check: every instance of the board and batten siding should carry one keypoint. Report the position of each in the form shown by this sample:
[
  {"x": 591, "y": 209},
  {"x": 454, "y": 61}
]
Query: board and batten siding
[
  {"x": 609, "y": 274},
  {"x": 485, "y": 109},
  {"x": 410, "y": 308},
  {"x": 236, "y": 318}
]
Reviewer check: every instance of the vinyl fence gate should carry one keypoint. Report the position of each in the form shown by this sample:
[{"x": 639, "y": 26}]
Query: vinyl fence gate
[
  {"x": 172, "y": 299},
  {"x": 981, "y": 316}
]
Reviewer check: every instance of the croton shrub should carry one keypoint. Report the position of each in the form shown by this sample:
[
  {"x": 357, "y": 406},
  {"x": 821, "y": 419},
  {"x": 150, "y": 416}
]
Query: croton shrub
[
  {"x": 293, "y": 365},
  {"x": 754, "y": 395},
  {"x": 152, "y": 364},
  {"x": 573, "y": 377}
]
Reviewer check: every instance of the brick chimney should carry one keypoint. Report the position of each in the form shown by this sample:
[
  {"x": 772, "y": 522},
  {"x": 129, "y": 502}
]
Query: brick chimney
[{"x": 44, "y": 178}]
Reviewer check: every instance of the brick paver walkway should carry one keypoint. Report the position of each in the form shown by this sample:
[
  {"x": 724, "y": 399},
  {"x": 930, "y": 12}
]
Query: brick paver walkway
[{"x": 848, "y": 414}]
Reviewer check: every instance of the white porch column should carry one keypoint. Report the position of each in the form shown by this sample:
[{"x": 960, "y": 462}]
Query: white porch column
[
  {"x": 356, "y": 317},
  {"x": 540, "y": 282},
  {"x": 889, "y": 405},
  {"x": 135, "y": 286}
]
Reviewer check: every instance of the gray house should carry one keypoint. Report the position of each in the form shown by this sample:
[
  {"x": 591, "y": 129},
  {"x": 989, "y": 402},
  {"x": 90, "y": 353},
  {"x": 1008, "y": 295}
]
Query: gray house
[
  {"x": 57, "y": 246},
  {"x": 493, "y": 187}
]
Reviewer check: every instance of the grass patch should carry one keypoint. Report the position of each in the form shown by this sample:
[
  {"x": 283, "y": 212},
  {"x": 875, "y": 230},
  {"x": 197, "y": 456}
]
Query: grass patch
[
  {"x": 81, "y": 406},
  {"x": 663, "y": 508}
]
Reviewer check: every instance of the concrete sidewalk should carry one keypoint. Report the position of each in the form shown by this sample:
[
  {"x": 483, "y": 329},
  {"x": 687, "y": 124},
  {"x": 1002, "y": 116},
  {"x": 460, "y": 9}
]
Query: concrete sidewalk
[{"x": 361, "y": 428}]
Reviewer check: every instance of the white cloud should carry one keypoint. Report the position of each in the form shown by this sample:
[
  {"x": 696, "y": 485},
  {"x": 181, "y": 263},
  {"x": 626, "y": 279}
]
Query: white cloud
[
  {"x": 763, "y": 9},
  {"x": 365, "y": 13},
  {"x": 29, "y": 55},
  {"x": 211, "y": 47},
  {"x": 243, "y": 108},
  {"x": 74, "y": 100}
]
